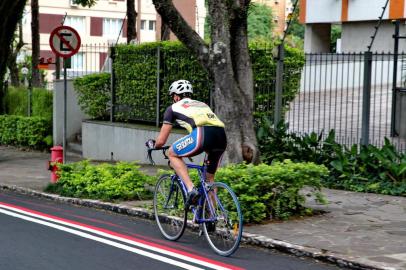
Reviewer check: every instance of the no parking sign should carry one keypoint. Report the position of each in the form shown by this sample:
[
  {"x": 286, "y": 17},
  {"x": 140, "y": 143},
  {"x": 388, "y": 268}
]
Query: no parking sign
[{"x": 64, "y": 41}]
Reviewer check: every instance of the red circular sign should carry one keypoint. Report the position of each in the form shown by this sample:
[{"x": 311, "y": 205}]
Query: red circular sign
[{"x": 64, "y": 41}]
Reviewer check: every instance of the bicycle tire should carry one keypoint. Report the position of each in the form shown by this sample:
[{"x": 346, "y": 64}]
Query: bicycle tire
[
  {"x": 169, "y": 207},
  {"x": 226, "y": 237}
]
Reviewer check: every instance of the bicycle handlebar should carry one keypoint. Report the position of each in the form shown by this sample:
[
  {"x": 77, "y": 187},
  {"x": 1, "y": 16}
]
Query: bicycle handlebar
[{"x": 163, "y": 148}]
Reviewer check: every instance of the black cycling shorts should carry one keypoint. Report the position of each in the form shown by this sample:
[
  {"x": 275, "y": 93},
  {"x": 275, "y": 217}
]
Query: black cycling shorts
[{"x": 211, "y": 140}]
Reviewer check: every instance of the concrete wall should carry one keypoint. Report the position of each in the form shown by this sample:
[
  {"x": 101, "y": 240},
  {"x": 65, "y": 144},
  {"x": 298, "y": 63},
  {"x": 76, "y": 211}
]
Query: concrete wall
[
  {"x": 356, "y": 36},
  {"x": 361, "y": 10},
  {"x": 120, "y": 141},
  {"x": 325, "y": 11},
  {"x": 74, "y": 113},
  {"x": 336, "y": 11},
  {"x": 317, "y": 38}
]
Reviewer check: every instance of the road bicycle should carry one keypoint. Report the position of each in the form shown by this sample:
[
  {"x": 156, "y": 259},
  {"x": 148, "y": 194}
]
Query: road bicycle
[{"x": 217, "y": 212}]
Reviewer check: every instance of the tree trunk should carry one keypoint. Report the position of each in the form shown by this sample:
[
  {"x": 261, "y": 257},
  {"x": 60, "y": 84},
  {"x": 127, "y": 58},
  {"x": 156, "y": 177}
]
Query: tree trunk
[
  {"x": 36, "y": 80},
  {"x": 165, "y": 31},
  {"x": 131, "y": 17},
  {"x": 13, "y": 69},
  {"x": 244, "y": 76},
  {"x": 10, "y": 14},
  {"x": 12, "y": 60},
  {"x": 228, "y": 62}
]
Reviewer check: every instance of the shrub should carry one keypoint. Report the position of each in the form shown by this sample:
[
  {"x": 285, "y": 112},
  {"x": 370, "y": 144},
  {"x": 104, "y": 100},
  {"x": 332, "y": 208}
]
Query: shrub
[
  {"x": 271, "y": 191},
  {"x": 94, "y": 94},
  {"x": 16, "y": 102},
  {"x": 364, "y": 169},
  {"x": 122, "y": 181},
  {"x": 369, "y": 169},
  {"x": 278, "y": 144},
  {"x": 34, "y": 132}
]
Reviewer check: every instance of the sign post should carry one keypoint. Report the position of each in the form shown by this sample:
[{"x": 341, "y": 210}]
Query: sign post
[{"x": 64, "y": 42}]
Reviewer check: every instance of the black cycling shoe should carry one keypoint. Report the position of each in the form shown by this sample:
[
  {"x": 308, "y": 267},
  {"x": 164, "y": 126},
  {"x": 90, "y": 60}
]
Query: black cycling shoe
[{"x": 192, "y": 198}]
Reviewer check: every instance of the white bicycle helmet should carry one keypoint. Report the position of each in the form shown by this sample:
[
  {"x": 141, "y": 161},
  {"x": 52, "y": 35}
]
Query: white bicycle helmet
[{"x": 180, "y": 87}]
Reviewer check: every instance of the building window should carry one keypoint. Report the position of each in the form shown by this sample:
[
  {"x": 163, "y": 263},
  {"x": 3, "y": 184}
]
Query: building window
[
  {"x": 77, "y": 62},
  {"x": 76, "y": 22},
  {"x": 143, "y": 24},
  {"x": 151, "y": 25},
  {"x": 112, "y": 27}
]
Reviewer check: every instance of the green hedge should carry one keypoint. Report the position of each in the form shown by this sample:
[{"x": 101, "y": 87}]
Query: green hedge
[
  {"x": 264, "y": 191},
  {"x": 94, "y": 94},
  {"x": 135, "y": 68},
  {"x": 16, "y": 102},
  {"x": 34, "y": 132},
  {"x": 107, "y": 182},
  {"x": 271, "y": 191}
]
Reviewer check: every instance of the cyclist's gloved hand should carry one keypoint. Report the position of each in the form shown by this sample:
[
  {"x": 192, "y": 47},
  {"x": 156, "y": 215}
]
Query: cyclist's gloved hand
[{"x": 150, "y": 143}]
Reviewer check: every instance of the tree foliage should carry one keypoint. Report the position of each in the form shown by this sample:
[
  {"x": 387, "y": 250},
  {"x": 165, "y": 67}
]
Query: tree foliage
[
  {"x": 296, "y": 28},
  {"x": 260, "y": 22},
  {"x": 86, "y": 3}
]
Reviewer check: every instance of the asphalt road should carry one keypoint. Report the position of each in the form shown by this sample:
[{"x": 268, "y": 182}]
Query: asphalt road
[{"x": 42, "y": 234}]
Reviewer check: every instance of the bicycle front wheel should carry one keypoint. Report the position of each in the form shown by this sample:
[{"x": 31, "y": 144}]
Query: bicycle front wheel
[
  {"x": 224, "y": 230},
  {"x": 169, "y": 207}
]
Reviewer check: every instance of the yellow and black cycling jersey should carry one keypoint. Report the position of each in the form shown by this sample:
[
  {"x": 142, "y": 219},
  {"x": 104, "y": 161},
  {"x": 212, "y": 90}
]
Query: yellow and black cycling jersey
[{"x": 189, "y": 114}]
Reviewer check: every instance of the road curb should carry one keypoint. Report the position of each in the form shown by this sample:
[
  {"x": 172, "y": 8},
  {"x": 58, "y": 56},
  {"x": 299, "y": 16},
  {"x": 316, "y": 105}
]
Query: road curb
[{"x": 247, "y": 238}]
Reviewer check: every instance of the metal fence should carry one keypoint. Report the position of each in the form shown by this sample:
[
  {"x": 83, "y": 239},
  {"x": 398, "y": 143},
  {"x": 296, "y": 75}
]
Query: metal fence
[
  {"x": 92, "y": 58},
  {"x": 353, "y": 95}
]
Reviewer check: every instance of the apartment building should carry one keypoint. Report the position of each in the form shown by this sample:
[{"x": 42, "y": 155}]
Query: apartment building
[
  {"x": 103, "y": 24},
  {"x": 358, "y": 19}
]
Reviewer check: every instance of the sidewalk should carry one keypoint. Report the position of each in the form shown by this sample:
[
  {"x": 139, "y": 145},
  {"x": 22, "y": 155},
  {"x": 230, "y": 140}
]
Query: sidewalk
[{"x": 361, "y": 231}]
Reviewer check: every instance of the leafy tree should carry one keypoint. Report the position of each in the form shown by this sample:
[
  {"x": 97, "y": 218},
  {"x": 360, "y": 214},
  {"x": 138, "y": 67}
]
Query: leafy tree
[
  {"x": 296, "y": 28},
  {"x": 227, "y": 60},
  {"x": 10, "y": 13},
  {"x": 260, "y": 22}
]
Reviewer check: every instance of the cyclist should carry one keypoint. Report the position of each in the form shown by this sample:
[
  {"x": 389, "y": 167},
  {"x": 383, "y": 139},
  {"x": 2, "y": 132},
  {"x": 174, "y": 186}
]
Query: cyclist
[{"x": 206, "y": 133}]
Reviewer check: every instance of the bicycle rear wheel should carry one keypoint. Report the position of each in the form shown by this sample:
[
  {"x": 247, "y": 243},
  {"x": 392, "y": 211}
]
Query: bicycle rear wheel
[
  {"x": 224, "y": 233},
  {"x": 169, "y": 207}
]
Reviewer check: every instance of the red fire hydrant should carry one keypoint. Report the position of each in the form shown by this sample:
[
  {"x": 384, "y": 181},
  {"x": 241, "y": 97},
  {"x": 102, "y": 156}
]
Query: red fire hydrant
[{"x": 56, "y": 157}]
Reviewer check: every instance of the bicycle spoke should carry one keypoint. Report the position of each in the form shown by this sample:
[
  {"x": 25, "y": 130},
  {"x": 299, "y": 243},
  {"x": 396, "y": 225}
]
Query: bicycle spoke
[
  {"x": 169, "y": 207},
  {"x": 222, "y": 206}
]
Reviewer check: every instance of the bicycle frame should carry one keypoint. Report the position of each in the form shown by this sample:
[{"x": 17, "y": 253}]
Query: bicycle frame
[
  {"x": 196, "y": 210},
  {"x": 203, "y": 195}
]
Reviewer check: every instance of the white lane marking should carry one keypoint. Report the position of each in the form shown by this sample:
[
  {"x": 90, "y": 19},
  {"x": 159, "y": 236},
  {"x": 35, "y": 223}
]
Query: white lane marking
[
  {"x": 104, "y": 241},
  {"x": 125, "y": 240}
]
